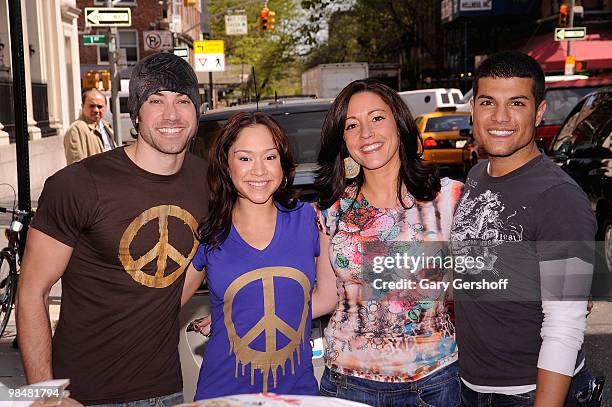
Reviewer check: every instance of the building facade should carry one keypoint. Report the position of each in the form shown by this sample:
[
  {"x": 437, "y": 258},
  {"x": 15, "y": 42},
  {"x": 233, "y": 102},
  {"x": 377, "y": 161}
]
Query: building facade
[
  {"x": 475, "y": 29},
  {"x": 156, "y": 26},
  {"x": 52, "y": 73}
]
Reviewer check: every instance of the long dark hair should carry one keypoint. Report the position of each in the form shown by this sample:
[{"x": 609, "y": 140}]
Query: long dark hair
[
  {"x": 216, "y": 226},
  {"x": 423, "y": 182}
]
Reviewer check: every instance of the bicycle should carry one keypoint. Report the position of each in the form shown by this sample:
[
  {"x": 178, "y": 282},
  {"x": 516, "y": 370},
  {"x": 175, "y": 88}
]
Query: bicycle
[{"x": 10, "y": 258}]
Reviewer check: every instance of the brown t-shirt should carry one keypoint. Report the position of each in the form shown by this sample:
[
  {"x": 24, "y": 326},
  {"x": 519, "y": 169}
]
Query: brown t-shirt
[{"x": 132, "y": 234}]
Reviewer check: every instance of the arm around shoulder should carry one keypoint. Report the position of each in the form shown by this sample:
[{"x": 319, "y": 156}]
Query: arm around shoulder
[{"x": 325, "y": 293}]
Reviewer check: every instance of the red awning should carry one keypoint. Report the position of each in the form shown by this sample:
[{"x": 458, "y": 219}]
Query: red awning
[{"x": 596, "y": 50}]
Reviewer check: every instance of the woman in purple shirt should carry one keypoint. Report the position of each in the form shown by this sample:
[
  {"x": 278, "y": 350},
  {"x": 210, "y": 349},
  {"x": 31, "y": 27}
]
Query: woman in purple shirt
[{"x": 258, "y": 250}]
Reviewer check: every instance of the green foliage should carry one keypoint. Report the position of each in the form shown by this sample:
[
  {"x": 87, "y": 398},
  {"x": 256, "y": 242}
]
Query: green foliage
[
  {"x": 374, "y": 32},
  {"x": 273, "y": 54}
]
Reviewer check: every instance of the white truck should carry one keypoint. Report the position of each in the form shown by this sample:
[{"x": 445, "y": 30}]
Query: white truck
[
  {"x": 327, "y": 80},
  {"x": 429, "y": 100}
]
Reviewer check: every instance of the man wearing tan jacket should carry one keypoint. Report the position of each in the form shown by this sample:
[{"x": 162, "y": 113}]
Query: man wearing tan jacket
[{"x": 89, "y": 134}]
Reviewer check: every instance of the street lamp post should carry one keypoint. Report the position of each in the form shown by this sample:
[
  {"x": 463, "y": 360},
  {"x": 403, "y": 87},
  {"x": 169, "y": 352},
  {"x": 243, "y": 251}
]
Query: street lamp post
[
  {"x": 20, "y": 107},
  {"x": 115, "y": 79}
]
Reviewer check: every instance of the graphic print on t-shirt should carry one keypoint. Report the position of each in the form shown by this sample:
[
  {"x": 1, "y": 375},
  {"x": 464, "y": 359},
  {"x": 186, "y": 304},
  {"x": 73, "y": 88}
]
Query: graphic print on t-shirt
[
  {"x": 161, "y": 251},
  {"x": 271, "y": 358},
  {"x": 484, "y": 219}
]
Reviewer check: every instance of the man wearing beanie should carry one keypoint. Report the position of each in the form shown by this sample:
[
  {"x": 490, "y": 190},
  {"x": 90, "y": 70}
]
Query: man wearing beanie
[{"x": 118, "y": 229}]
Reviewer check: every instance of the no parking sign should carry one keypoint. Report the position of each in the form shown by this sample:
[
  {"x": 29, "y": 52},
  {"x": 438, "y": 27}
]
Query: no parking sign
[{"x": 157, "y": 40}]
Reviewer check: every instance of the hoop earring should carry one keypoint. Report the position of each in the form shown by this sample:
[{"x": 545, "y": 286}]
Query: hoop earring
[
  {"x": 284, "y": 183},
  {"x": 351, "y": 168}
]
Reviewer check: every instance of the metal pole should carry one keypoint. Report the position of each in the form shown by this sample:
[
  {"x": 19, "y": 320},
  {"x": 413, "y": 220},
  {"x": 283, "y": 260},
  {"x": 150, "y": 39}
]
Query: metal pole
[
  {"x": 571, "y": 24},
  {"x": 465, "y": 56},
  {"x": 20, "y": 105},
  {"x": 115, "y": 80},
  {"x": 206, "y": 28}
]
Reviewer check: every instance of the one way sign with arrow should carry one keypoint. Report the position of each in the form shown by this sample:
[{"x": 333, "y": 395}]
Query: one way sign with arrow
[
  {"x": 570, "y": 33},
  {"x": 108, "y": 17}
]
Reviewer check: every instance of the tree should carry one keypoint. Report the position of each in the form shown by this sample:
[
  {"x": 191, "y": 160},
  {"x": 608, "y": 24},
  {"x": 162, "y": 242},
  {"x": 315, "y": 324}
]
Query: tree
[
  {"x": 272, "y": 54},
  {"x": 400, "y": 31}
]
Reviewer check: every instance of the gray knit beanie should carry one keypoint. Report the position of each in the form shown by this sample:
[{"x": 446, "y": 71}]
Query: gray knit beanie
[{"x": 161, "y": 72}]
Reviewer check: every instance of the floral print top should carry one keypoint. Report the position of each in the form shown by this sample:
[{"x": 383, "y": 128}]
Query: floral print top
[{"x": 393, "y": 336}]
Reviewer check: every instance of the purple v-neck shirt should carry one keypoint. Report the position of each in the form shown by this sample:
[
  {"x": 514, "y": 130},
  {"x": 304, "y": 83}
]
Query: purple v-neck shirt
[{"x": 260, "y": 302}]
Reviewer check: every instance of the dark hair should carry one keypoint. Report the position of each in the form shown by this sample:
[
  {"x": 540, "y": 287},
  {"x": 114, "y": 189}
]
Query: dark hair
[
  {"x": 88, "y": 91},
  {"x": 422, "y": 182},
  {"x": 216, "y": 226},
  {"x": 512, "y": 64}
]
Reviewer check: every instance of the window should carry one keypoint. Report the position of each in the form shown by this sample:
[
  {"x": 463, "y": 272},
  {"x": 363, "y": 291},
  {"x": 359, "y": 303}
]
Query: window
[
  {"x": 561, "y": 101},
  {"x": 303, "y": 130},
  {"x": 448, "y": 123},
  {"x": 117, "y": 3},
  {"x": 127, "y": 40}
]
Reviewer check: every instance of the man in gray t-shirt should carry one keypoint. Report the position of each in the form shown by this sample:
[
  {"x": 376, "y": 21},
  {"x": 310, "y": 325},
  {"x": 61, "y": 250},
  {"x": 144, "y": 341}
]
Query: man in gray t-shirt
[{"x": 535, "y": 227}]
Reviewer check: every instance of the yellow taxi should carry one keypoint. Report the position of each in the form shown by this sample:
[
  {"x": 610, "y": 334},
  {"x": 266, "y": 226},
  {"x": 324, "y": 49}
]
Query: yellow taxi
[{"x": 446, "y": 139}]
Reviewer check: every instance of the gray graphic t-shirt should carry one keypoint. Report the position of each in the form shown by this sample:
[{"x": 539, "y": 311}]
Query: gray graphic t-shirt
[{"x": 522, "y": 223}]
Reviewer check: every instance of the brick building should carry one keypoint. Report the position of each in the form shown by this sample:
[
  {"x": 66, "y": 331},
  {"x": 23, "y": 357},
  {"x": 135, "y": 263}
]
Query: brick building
[{"x": 180, "y": 19}]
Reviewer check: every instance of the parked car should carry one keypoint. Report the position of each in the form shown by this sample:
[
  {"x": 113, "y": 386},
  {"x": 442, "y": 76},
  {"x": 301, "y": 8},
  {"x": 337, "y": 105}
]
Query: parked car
[
  {"x": 446, "y": 139},
  {"x": 561, "y": 97},
  {"x": 301, "y": 119},
  {"x": 583, "y": 148}
]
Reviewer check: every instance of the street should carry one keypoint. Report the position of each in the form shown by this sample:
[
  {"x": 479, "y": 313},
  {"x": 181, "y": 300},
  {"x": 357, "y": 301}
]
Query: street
[{"x": 597, "y": 345}]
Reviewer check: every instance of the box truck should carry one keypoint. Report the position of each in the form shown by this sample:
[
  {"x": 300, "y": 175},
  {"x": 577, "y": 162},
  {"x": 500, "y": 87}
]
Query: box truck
[{"x": 327, "y": 80}]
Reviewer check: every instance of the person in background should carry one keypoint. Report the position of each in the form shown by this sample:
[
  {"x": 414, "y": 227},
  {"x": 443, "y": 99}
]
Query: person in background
[
  {"x": 392, "y": 348},
  {"x": 90, "y": 134}
]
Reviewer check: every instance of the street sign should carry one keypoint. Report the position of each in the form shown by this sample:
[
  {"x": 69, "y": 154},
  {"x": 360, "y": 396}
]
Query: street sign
[
  {"x": 209, "y": 56},
  {"x": 182, "y": 52},
  {"x": 236, "y": 24},
  {"x": 108, "y": 17},
  {"x": 570, "y": 33},
  {"x": 175, "y": 24},
  {"x": 157, "y": 40},
  {"x": 89, "y": 39}
]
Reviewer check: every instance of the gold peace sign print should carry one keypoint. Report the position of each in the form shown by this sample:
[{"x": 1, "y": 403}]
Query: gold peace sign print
[
  {"x": 271, "y": 358},
  {"x": 162, "y": 250}
]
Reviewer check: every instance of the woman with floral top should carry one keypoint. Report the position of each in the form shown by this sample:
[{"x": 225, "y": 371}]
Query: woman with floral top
[{"x": 383, "y": 347}]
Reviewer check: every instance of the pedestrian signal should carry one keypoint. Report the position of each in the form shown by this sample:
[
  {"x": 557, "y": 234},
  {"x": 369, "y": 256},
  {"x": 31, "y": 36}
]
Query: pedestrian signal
[
  {"x": 91, "y": 80},
  {"x": 106, "y": 79}
]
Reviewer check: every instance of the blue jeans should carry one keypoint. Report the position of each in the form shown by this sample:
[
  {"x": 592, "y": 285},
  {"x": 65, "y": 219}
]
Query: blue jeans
[
  {"x": 470, "y": 398},
  {"x": 161, "y": 401},
  {"x": 440, "y": 389}
]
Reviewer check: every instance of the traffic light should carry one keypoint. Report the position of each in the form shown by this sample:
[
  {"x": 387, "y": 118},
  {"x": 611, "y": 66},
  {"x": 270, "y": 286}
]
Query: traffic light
[
  {"x": 106, "y": 79},
  {"x": 264, "y": 14},
  {"x": 563, "y": 15},
  {"x": 91, "y": 80},
  {"x": 581, "y": 66},
  {"x": 271, "y": 20}
]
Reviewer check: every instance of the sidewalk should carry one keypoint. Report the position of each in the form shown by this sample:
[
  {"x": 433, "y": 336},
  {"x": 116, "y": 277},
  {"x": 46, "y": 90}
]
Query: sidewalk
[
  {"x": 11, "y": 370},
  {"x": 598, "y": 344}
]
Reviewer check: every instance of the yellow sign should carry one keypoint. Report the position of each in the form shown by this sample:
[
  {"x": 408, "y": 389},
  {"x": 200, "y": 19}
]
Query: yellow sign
[{"x": 209, "y": 47}]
